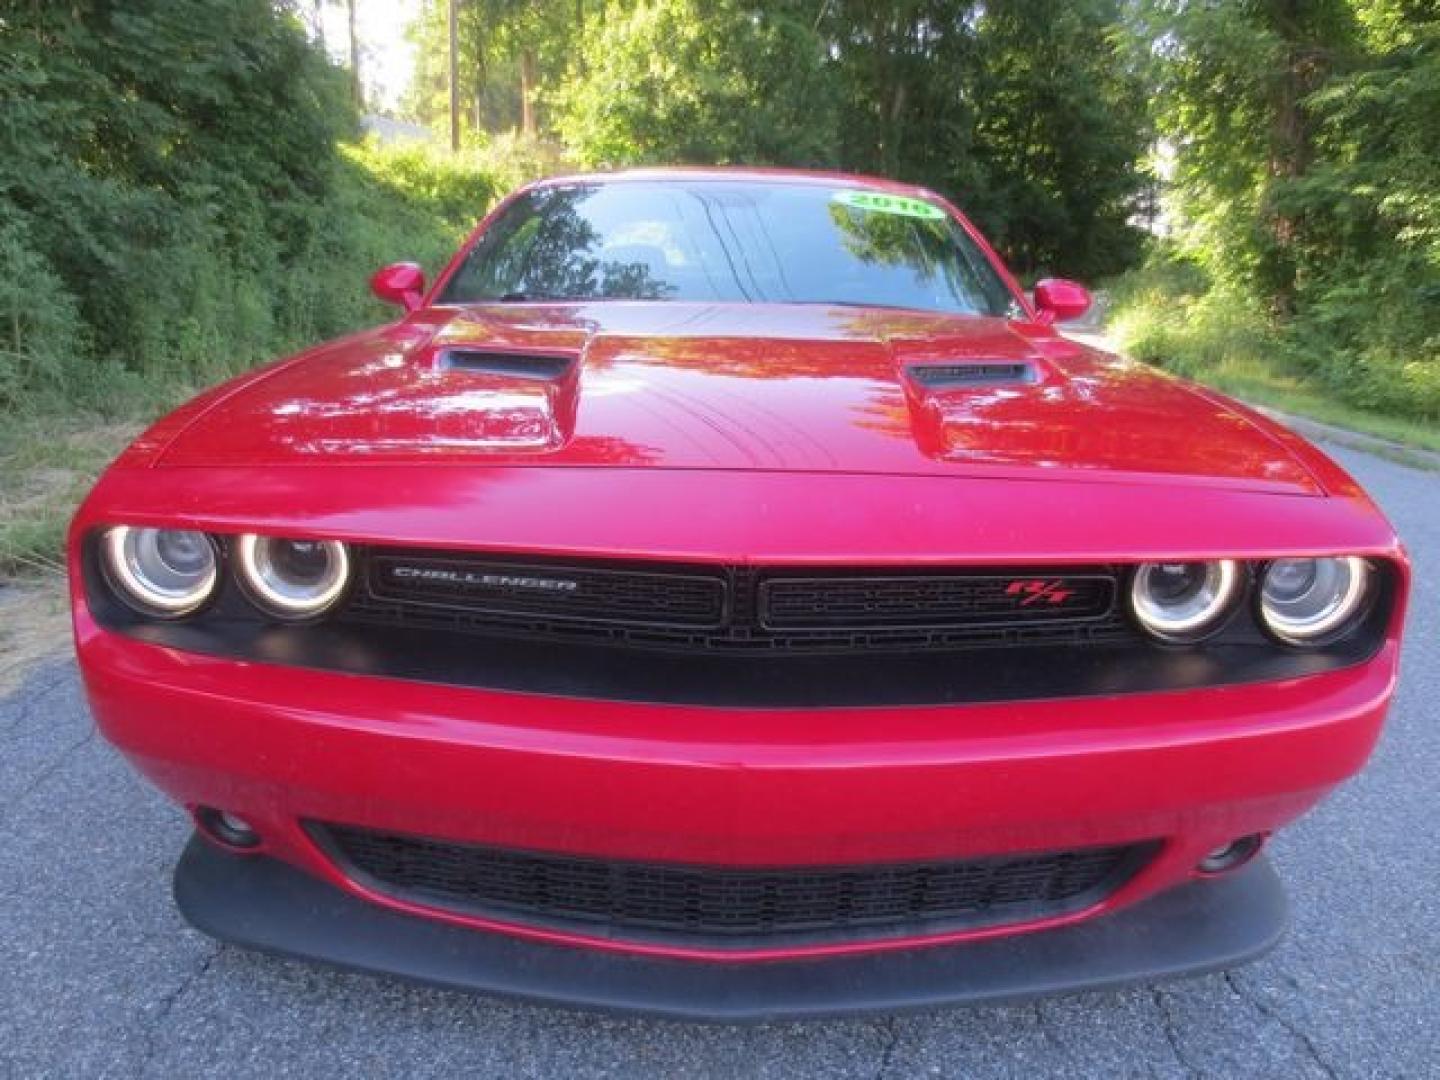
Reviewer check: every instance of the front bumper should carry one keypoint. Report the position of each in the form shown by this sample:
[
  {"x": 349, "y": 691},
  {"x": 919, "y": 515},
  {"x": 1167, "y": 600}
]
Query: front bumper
[
  {"x": 265, "y": 904},
  {"x": 731, "y": 787}
]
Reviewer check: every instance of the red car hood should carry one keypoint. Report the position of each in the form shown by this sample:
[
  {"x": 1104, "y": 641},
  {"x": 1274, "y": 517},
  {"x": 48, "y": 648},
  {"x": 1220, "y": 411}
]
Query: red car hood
[{"x": 733, "y": 386}]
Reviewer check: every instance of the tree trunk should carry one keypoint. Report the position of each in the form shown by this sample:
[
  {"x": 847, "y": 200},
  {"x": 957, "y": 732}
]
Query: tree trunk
[
  {"x": 454, "y": 76},
  {"x": 527, "y": 92},
  {"x": 1290, "y": 146},
  {"x": 355, "y": 87},
  {"x": 897, "y": 119}
]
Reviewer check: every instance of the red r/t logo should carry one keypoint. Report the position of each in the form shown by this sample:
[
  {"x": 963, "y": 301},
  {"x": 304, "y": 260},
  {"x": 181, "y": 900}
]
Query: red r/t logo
[{"x": 1035, "y": 590}]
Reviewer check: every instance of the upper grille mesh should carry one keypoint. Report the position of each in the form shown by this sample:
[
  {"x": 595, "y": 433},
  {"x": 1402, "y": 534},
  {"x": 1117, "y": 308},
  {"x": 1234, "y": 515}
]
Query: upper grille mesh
[
  {"x": 570, "y": 590},
  {"x": 955, "y": 600},
  {"x": 740, "y": 609}
]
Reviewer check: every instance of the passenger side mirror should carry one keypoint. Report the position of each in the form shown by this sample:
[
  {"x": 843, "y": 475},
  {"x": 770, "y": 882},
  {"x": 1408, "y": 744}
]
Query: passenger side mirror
[
  {"x": 400, "y": 283},
  {"x": 1059, "y": 300}
]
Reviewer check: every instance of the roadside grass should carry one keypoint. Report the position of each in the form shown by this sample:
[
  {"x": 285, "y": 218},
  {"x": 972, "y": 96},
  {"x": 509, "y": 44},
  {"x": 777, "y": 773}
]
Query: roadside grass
[
  {"x": 1156, "y": 314},
  {"x": 1261, "y": 383},
  {"x": 47, "y": 463}
]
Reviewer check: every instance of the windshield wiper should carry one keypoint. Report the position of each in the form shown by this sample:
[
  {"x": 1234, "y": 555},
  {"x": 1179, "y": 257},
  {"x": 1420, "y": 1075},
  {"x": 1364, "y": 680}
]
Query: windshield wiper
[{"x": 865, "y": 304}]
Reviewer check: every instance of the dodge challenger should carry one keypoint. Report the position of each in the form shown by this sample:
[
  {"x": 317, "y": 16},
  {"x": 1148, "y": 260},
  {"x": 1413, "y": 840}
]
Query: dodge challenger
[{"x": 725, "y": 594}]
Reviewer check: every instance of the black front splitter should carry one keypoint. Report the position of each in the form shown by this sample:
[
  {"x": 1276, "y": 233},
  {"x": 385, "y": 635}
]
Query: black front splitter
[{"x": 265, "y": 904}]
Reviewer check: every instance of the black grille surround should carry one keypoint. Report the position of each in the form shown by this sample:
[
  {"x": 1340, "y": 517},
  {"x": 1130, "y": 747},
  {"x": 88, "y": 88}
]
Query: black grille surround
[
  {"x": 738, "y": 609},
  {"x": 725, "y": 907},
  {"x": 767, "y": 651}
]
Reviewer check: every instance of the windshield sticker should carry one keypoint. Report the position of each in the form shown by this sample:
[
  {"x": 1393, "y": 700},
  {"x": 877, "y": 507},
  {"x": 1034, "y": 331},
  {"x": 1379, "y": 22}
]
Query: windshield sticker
[{"x": 880, "y": 203}]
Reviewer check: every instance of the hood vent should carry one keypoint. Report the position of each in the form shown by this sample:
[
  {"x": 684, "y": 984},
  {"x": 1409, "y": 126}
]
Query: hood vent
[
  {"x": 513, "y": 365},
  {"x": 948, "y": 376}
]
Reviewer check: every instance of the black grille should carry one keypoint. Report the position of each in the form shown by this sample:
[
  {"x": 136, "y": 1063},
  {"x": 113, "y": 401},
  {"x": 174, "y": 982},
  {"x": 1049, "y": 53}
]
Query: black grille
[
  {"x": 650, "y": 901},
  {"x": 740, "y": 609},
  {"x": 952, "y": 600},
  {"x": 565, "y": 590}
]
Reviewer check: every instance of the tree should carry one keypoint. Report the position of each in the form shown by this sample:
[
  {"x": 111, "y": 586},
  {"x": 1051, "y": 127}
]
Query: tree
[
  {"x": 700, "y": 81},
  {"x": 1306, "y": 141},
  {"x": 510, "y": 54},
  {"x": 452, "y": 55},
  {"x": 357, "y": 88},
  {"x": 1231, "y": 86},
  {"x": 1026, "y": 111},
  {"x": 1029, "y": 112}
]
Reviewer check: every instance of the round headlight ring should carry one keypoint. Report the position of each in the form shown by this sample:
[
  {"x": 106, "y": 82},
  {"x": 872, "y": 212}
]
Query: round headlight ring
[
  {"x": 291, "y": 578},
  {"x": 1184, "y": 601},
  {"x": 165, "y": 573},
  {"x": 1309, "y": 601}
]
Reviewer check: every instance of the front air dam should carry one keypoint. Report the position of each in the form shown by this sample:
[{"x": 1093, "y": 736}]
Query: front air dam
[{"x": 262, "y": 903}]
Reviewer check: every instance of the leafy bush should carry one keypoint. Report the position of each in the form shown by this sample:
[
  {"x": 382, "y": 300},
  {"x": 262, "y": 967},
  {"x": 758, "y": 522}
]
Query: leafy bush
[
  {"x": 1167, "y": 312},
  {"x": 512, "y": 159},
  {"x": 176, "y": 202},
  {"x": 1195, "y": 335},
  {"x": 422, "y": 178}
]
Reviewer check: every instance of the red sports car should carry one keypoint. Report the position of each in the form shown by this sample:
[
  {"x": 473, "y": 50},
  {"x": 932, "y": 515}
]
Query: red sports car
[{"x": 723, "y": 593}]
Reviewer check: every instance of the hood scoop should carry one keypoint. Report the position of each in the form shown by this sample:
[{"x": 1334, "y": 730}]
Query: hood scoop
[
  {"x": 973, "y": 374},
  {"x": 513, "y": 365}
]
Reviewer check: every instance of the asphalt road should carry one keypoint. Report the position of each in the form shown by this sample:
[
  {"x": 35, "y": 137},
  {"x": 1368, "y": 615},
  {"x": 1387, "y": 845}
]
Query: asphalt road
[{"x": 99, "y": 976}]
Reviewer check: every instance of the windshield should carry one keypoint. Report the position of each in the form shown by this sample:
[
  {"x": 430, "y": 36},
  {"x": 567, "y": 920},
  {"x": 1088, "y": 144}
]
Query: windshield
[{"x": 748, "y": 241}]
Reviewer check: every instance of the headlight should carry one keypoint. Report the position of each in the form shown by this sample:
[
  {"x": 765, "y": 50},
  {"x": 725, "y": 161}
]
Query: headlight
[
  {"x": 1304, "y": 600},
  {"x": 294, "y": 579},
  {"x": 165, "y": 572},
  {"x": 1182, "y": 601}
]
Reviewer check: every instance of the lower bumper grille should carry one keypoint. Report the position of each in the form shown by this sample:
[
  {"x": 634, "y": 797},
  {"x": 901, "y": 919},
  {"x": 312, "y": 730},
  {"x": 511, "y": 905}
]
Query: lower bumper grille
[{"x": 727, "y": 906}]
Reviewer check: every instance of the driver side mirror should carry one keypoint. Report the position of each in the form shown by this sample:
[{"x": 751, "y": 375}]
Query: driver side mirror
[
  {"x": 1060, "y": 300},
  {"x": 400, "y": 283}
]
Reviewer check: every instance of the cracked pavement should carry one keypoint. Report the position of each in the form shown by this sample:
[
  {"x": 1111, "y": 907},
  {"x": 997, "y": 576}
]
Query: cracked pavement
[{"x": 100, "y": 977}]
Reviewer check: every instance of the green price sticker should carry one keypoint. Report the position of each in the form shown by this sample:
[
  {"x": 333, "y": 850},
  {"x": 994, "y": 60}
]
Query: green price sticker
[{"x": 879, "y": 202}]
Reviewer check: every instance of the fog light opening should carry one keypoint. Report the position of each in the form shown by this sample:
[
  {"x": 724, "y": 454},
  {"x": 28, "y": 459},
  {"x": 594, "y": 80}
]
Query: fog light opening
[
  {"x": 226, "y": 828},
  {"x": 1231, "y": 856}
]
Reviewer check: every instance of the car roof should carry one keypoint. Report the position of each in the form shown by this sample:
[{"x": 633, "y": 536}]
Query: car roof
[{"x": 757, "y": 174}]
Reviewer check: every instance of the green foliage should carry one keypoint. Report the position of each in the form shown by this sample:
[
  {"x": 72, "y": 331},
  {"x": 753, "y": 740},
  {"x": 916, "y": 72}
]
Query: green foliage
[
  {"x": 1167, "y": 312},
  {"x": 420, "y": 178},
  {"x": 177, "y": 206},
  {"x": 161, "y": 160},
  {"x": 1306, "y": 142},
  {"x": 500, "y": 43},
  {"x": 510, "y": 159},
  {"x": 1030, "y": 113},
  {"x": 1027, "y": 112},
  {"x": 178, "y": 198},
  {"x": 40, "y": 328},
  {"x": 702, "y": 82}
]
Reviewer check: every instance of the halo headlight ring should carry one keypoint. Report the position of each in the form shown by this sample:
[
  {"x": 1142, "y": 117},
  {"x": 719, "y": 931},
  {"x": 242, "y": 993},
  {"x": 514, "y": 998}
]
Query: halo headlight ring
[
  {"x": 1309, "y": 602},
  {"x": 1184, "y": 602},
  {"x": 160, "y": 573},
  {"x": 292, "y": 579}
]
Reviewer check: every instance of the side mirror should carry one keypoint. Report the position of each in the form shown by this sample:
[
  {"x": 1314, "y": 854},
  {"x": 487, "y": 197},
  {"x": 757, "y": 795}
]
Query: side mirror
[
  {"x": 1060, "y": 300},
  {"x": 400, "y": 283}
]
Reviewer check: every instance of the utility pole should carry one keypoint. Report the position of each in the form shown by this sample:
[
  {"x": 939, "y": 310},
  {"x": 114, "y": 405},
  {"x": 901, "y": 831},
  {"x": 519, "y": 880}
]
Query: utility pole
[{"x": 454, "y": 77}]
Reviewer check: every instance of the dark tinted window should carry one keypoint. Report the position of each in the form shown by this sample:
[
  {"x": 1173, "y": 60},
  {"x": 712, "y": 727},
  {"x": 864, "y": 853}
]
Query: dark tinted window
[{"x": 715, "y": 240}]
